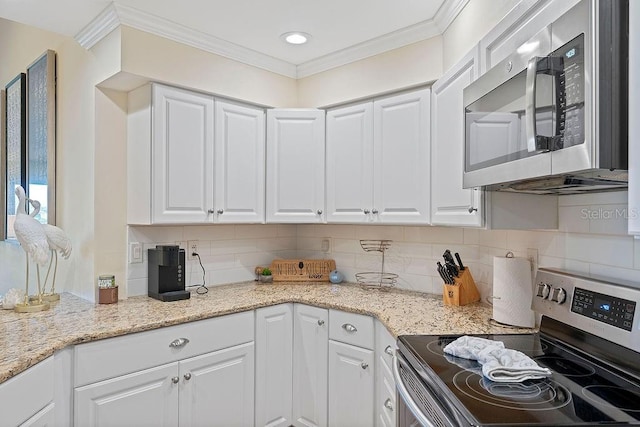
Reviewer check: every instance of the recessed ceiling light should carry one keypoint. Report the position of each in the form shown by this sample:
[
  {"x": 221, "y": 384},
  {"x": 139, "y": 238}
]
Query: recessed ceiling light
[{"x": 296, "y": 37}]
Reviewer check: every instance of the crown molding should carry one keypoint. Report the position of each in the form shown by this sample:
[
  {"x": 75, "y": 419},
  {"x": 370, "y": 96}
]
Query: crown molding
[
  {"x": 99, "y": 28},
  {"x": 448, "y": 12},
  {"x": 115, "y": 15}
]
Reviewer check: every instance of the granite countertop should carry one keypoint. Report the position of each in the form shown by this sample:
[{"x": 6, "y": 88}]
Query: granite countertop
[{"x": 30, "y": 338}]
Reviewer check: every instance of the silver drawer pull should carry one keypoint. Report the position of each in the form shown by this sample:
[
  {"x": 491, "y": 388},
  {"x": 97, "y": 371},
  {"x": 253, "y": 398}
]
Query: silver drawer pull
[
  {"x": 364, "y": 365},
  {"x": 388, "y": 350},
  {"x": 175, "y": 380},
  {"x": 179, "y": 342},
  {"x": 349, "y": 327},
  {"x": 320, "y": 322},
  {"x": 187, "y": 376},
  {"x": 388, "y": 404}
]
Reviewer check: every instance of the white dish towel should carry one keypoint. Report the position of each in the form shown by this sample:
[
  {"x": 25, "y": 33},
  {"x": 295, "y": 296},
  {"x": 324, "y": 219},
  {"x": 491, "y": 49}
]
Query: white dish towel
[{"x": 499, "y": 364}]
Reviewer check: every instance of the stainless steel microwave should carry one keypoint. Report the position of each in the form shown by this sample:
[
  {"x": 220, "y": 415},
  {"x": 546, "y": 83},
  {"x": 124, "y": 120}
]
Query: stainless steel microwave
[{"x": 552, "y": 117}]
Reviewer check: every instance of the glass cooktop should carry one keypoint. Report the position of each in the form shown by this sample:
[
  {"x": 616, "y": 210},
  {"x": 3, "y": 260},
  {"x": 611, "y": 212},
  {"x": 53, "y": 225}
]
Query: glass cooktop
[{"x": 580, "y": 391}]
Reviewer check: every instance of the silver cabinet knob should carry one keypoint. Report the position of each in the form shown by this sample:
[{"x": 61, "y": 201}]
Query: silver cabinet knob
[
  {"x": 175, "y": 380},
  {"x": 349, "y": 327},
  {"x": 220, "y": 211},
  {"x": 179, "y": 342},
  {"x": 388, "y": 404},
  {"x": 388, "y": 350},
  {"x": 319, "y": 212},
  {"x": 320, "y": 322},
  {"x": 472, "y": 209},
  {"x": 364, "y": 365},
  {"x": 187, "y": 376},
  {"x": 374, "y": 211},
  {"x": 366, "y": 211},
  {"x": 211, "y": 211}
]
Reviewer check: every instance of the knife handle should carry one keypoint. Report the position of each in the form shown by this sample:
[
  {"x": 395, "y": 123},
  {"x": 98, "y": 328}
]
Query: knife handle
[{"x": 457, "y": 255}]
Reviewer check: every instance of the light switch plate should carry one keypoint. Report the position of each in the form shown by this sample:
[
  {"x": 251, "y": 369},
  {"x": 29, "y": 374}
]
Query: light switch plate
[{"x": 135, "y": 253}]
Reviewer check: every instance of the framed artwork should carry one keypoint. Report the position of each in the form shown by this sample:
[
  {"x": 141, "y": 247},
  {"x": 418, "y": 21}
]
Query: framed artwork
[
  {"x": 15, "y": 141},
  {"x": 41, "y": 138}
]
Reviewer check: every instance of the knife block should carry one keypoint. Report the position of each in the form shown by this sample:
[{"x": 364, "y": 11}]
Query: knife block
[{"x": 463, "y": 292}]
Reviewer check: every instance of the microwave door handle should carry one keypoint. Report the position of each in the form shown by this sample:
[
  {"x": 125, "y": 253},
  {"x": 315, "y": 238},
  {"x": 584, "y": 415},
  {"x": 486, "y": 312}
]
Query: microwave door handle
[{"x": 535, "y": 144}]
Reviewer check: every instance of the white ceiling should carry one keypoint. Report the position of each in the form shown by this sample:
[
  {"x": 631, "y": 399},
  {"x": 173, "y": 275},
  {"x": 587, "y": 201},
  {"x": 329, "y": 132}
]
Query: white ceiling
[{"x": 338, "y": 27}]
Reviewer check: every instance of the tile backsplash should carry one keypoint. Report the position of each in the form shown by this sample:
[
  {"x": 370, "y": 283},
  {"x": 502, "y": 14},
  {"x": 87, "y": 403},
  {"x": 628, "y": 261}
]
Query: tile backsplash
[{"x": 592, "y": 238}]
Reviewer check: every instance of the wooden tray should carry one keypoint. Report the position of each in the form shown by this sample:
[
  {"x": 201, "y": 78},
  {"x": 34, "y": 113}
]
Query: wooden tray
[
  {"x": 302, "y": 270},
  {"x": 463, "y": 292}
]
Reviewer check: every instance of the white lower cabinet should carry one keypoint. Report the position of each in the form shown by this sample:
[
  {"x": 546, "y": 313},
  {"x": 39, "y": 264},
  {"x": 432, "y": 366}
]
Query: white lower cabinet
[
  {"x": 274, "y": 365},
  {"x": 351, "y": 385},
  {"x": 37, "y": 383},
  {"x": 385, "y": 406},
  {"x": 193, "y": 374},
  {"x": 310, "y": 341},
  {"x": 217, "y": 389},
  {"x": 146, "y": 398}
]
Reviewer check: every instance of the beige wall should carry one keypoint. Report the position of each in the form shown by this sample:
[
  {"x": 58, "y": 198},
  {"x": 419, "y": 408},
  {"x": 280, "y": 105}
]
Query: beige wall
[
  {"x": 473, "y": 23},
  {"x": 412, "y": 65},
  {"x": 162, "y": 60}
]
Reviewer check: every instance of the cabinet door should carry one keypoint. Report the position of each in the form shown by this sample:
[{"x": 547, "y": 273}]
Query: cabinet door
[
  {"x": 295, "y": 166},
  {"x": 239, "y": 163},
  {"x": 274, "y": 365},
  {"x": 182, "y": 156},
  {"x": 523, "y": 22},
  {"x": 401, "y": 158},
  {"x": 350, "y": 163},
  {"x": 351, "y": 385},
  {"x": 310, "y": 342},
  {"x": 145, "y": 398},
  {"x": 216, "y": 389},
  {"x": 44, "y": 418},
  {"x": 450, "y": 203}
]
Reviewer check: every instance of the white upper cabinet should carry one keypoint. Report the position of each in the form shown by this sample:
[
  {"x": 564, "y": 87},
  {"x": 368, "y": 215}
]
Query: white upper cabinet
[
  {"x": 295, "y": 165},
  {"x": 193, "y": 159},
  {"x": 524, "y": 21},
  {"x": 350, "y": 163},
  {"x": 239, "y": 163},
  {"x": 450, "y": 203},
  {"x": 401, "y": 153},
  {"x": 182, "y": 155}
]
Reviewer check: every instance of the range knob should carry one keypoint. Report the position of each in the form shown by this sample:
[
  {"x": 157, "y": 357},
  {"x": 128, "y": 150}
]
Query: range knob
[
  {"x": 544, "y": 289},
  {"x": 559, "y": 295}
]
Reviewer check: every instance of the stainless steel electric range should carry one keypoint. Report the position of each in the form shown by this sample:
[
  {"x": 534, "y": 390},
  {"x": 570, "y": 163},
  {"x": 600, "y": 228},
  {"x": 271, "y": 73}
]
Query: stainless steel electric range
[{"x": 589, "y": 337}]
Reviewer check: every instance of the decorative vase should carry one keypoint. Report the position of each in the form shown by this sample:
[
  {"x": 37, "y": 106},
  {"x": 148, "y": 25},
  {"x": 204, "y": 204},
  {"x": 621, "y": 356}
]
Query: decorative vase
[{"x": 336, "y": 277}]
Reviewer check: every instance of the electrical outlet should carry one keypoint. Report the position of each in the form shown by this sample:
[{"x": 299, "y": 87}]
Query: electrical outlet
[
  {"x": 532, "y": 255},
  {"x": 192, "y": 246}
]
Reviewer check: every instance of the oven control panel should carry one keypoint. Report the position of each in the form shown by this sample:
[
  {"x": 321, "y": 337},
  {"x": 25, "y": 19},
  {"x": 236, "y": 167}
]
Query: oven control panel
[
  {"x": 617, "y": 312},
  {"x": 597, "y": 305}
]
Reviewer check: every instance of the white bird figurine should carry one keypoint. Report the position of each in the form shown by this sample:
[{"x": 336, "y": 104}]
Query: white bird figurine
[
  {"x": 57, "y": 240},
  {"x": 32, "y": 238}
]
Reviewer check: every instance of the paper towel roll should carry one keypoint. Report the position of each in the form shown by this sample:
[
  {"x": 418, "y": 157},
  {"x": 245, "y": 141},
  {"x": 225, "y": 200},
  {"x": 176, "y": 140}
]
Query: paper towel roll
[{"x": 512, "y": 291}]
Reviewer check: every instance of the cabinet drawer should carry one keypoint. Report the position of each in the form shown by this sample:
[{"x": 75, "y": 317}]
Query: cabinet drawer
[
  {"x": 350, "y": 328},
  {"x": 112, "y": 357},
  {"x": 385, "y": 345},
  {"x": 36, "y": 383}
]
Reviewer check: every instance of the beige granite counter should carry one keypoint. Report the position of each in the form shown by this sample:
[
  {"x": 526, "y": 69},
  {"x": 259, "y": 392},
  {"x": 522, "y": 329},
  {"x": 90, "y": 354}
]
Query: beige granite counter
[{"x": 27, "y": 339}]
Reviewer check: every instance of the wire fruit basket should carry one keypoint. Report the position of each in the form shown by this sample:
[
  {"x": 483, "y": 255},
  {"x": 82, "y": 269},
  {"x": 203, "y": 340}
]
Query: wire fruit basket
[{"x": 376, "y": 279}]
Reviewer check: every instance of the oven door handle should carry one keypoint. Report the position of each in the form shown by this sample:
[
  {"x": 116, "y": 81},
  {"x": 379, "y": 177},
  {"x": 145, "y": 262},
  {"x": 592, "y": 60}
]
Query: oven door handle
[{"x": 404, "y": 393}]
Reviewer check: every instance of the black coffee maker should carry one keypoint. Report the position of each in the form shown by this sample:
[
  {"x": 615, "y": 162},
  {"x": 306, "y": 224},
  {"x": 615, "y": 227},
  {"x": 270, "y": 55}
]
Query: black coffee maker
[{"x": 166, "y": 273}]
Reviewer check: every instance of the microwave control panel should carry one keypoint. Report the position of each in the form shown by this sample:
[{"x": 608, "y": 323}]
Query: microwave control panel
[{"x": 571, "y": 92}]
